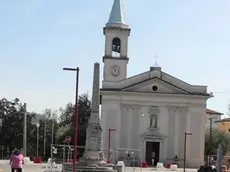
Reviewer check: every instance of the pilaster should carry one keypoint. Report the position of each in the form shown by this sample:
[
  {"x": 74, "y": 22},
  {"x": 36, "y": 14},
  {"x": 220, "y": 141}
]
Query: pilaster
[
  {"x": 124, "y": 131},
  {"x": 135, "y": 126},
  {"x": 188, "y": 130},
  {"x": 178, "y": 123},
  {"x": 171, "y": 132}
]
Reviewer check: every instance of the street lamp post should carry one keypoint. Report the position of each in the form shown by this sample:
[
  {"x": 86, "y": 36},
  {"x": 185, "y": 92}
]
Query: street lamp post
[
  {"x": 44, "y": 149},
  {"x": 37, "y": 125},
  {"x": 76, "y": 116},
  {"x": 25, "y": 131},
  {"x": 52, "y": 133},
  {"x": 52, "y": 137},
  {"x": 185, "y": 146},
  {"x": 110, "y": 130}
]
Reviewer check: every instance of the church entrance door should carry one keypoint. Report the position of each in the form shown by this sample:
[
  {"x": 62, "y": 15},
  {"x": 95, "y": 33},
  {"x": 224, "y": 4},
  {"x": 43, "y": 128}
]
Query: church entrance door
[{"x": 152, "y": 152}]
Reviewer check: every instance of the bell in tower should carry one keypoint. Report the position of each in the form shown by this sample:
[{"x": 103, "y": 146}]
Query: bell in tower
[{"x": 116, "y": 47}]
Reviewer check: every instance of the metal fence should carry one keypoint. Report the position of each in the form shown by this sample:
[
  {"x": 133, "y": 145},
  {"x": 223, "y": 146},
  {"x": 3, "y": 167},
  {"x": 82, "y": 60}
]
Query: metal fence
[
  {"x": 131, "y": 157},
  {"x": 64, "y": 153}
]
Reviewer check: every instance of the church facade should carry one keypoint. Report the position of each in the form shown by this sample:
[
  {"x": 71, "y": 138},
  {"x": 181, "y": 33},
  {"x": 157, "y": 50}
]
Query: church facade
[{"x": 150, "y": 112}]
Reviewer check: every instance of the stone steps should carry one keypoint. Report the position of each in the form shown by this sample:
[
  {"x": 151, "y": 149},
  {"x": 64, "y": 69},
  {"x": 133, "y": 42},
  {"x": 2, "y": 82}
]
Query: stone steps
[{"x": 69, "y": 168}]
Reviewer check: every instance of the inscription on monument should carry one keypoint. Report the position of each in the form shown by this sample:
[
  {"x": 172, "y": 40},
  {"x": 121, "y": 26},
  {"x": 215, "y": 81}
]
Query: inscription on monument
[{"x": 93, "y": 143}]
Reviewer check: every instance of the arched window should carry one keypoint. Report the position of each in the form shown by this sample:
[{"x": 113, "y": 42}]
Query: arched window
[{"x": 116, "y": 45}]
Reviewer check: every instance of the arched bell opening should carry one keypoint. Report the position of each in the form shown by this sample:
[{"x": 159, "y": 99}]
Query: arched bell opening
[{"x": 116, "y": 47}]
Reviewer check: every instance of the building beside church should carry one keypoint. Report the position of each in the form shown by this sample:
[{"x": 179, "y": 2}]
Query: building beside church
[
  {"x": 211, "y": 118},
  {"x": 150, "y": 111}
]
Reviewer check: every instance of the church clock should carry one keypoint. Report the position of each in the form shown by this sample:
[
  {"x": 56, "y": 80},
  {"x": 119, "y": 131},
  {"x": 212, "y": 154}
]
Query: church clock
[{"x": 115, "y": 70}]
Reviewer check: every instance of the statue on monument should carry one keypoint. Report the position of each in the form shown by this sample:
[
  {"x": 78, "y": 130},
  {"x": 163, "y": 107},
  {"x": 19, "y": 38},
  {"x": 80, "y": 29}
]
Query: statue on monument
[{"x": 153, "y": 121}]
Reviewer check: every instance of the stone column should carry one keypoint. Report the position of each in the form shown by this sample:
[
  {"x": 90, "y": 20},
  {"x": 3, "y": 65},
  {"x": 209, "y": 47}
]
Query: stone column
[
  {"x": 135, "y": 126},
  {"x": 162, "y": 150},
  {"x": 129, "y": 126},
  {"x": 182, "y": 130},
  {"x": 117, "y": 133},
  {"x": 188, "y": 129},
  {"x": 177, "y": 133},
  {"x": 171, "y": 132},
  {"x": 143, "y": 149},
  {"x": 124, "y": 130}
]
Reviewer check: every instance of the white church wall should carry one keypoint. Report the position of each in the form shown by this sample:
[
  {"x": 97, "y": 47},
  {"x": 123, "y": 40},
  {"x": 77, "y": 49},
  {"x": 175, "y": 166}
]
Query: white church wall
[
  {"x": 110, "y": 119},
  {"x": 196, "y": 140},
  {"x": 135, "y": 127},
  {"x": 182, "y": 130},
  {"x": 170, "y": 136},
  {"x": 124, "y": 130},
  {"x": 174, "y": 120},
  {"x": 164, "y": 125}
]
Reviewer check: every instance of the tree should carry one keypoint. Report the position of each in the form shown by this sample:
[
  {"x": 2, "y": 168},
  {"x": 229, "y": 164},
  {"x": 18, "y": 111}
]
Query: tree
[
  {"x": 67, "y": 119},
  {"x": 12, "y": 115},
  {"x": 218, "y": 137}
]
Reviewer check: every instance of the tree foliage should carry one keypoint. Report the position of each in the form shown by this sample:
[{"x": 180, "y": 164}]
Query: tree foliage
[
  {"x": 67, "y": 120},
  {"x": 12, "y": 115},
  {"x": 218, "y": 137},
  {"x": 63, "y": 120}
]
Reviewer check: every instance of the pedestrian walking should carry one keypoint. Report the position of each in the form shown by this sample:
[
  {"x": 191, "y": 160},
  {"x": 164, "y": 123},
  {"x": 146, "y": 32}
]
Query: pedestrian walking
[{"x": 16, "y": 161}]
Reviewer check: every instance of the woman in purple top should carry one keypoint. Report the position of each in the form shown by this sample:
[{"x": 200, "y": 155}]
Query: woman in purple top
[{"x": 16, "y": 161}]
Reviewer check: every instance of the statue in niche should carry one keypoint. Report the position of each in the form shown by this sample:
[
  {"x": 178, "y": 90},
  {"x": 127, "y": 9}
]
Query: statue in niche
[{"x": 153, "y": 121}]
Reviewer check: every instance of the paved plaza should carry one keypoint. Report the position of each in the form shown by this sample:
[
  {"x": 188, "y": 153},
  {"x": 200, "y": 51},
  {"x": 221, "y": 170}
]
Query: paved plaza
[
  {"x": 26, "y": 168},
  {"x": 5, "y": 167},
  {"x": 38, "y": 168}
]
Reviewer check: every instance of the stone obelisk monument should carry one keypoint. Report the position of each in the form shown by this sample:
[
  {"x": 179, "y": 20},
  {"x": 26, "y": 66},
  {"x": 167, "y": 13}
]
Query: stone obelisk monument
[
  {"x": 92, "y": 160},
  {"x": 93, "y": 155}
]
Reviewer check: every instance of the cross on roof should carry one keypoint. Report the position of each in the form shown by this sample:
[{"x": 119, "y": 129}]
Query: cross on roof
[{"x": 155, "y": 60}]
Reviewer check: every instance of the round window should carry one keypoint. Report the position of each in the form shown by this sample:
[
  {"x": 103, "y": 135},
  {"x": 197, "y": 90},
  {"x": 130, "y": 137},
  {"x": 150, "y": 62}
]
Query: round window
[{"x": 154, "y": 88}]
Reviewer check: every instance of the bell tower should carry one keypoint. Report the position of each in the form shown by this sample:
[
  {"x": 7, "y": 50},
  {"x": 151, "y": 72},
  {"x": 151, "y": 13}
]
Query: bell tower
[{"x": 116, "y": 33}]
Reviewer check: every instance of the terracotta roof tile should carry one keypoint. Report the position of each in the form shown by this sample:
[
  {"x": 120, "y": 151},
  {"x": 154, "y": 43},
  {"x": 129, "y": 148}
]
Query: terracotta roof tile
[{"x": 212, "y": 112}]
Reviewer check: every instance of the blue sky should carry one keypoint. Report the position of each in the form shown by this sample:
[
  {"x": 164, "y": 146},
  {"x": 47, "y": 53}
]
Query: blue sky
[{"x": 40, "y": 37}]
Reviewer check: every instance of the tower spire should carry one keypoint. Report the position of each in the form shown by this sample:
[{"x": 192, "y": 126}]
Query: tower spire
[{"x": 117, "y": 15}]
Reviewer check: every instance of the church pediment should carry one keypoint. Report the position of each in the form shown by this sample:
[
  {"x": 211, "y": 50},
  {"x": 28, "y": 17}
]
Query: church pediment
[
  {"x": 153, "y": 135},
  {"x": 155, "y": 85},
  {"x": 155, "y": 81}
]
